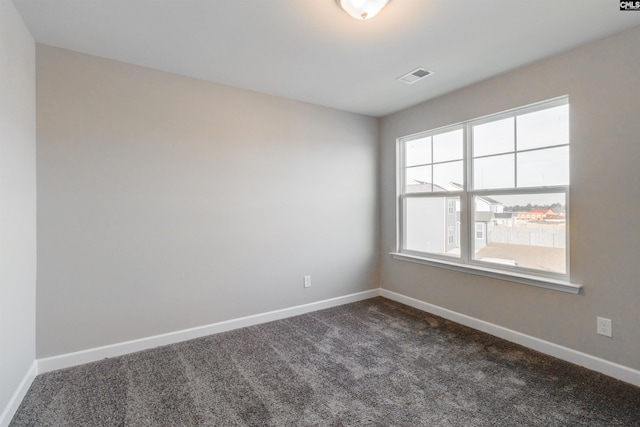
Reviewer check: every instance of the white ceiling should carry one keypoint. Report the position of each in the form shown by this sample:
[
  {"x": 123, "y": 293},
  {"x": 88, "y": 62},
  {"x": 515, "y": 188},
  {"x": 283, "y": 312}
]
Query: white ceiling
[{"x": 310, "y": 50}]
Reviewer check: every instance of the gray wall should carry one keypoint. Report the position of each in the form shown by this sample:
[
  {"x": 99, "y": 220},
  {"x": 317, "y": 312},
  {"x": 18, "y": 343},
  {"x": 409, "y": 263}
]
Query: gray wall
[
  {"x": 17, "y": 201},
  {"x": 602, "y": 82},
  {"x": 166, "y": 203}
]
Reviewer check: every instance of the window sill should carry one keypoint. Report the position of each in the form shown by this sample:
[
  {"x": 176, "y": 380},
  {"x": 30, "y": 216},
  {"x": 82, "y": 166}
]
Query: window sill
[{"x": 541, "y": 282}]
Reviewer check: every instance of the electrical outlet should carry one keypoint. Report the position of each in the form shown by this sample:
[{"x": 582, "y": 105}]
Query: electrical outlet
[
  {"x": 603, "y": 326},
  {"x": 307, "y": 281}
]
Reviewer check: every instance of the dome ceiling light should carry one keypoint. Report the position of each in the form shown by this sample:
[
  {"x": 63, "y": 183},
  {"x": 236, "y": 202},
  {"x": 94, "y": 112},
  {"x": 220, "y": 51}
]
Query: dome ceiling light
[{"x": 362, "y": 9}]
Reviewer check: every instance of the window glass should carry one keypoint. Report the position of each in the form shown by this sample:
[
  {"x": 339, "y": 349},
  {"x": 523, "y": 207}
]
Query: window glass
[
  {"x": 541, "y": 168},
  {"x": 418, "y": 152},
  {"x": 448, "y": 176},
  {"x": 418, "y": 179},
  {"x": 525, "y": 230},
  {"x": 493, "y": 138},
  {"x": 427, "y": 224},
  {"x": 543, "y": 128},
  {"x": 448, "y": 146},
  {"x": 494, "y": 172}
]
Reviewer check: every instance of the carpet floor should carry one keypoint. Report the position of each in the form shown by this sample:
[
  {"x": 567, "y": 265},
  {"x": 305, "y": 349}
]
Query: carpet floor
[{"x": 371, "y": 363}]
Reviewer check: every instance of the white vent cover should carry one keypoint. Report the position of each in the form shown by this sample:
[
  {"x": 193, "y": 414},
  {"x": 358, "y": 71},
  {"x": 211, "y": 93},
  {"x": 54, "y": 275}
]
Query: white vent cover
[{"x": 415, "y": 75}]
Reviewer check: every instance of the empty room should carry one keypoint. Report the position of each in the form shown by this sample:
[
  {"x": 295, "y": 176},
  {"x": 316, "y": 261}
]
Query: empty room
[{"x": 319, "y": 213}]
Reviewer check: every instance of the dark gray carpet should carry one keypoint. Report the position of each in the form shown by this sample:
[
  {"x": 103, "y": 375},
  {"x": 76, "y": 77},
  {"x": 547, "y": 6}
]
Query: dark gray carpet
[{"x": 372, "y": 363}]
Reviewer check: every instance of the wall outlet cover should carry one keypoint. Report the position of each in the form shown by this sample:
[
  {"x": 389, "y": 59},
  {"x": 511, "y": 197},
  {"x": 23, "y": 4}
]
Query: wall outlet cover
[{"x": 603, "y": 326}]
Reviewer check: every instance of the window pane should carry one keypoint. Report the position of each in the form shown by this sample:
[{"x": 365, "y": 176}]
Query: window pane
[
  {"x": 418, "y": 179},
  {"x": 447, "y": 146},
  {"x": 493, "y": 138},
  {"x": 494, "y": 172},
  {"x": 543, "y": 167},
  {"x": 447, "y": 176},
  {"x": 418, "y": 151},
  {"x": 544, "y": 128},
  {"x": 525, "y": 230},
  {"x": 429, "y": 222}
]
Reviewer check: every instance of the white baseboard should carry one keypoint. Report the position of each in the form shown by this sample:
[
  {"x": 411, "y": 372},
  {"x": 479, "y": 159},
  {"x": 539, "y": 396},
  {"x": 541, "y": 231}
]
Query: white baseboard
[
  {"x": 49, "y": 364},
  {"x": 14, "y": 403},
  {"x": 588, "y": 361},
  {"x": 91, "y": 355}
]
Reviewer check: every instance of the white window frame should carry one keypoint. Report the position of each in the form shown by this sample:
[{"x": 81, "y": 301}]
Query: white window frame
[{"x": 466, "y": 261}]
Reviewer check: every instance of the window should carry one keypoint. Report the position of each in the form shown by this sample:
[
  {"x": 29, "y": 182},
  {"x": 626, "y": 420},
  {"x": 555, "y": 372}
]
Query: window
[
  {"x": 451, "y": 207},
  {"x": 491, "y": 193}
]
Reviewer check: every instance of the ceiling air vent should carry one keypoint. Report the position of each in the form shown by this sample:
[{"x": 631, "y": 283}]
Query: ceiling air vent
[{"x": 415, "y": 75}]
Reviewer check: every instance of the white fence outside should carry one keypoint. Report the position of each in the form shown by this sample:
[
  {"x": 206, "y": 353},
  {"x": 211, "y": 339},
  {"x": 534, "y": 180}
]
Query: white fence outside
[{"x": 531, "y": 234}]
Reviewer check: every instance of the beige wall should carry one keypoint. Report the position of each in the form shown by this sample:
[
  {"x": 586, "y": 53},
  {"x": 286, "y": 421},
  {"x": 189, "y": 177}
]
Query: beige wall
[
  {"x": 17, "y": 201},
  {"x": 603, "y": 83},
  {"x": 166, "y": 203}
]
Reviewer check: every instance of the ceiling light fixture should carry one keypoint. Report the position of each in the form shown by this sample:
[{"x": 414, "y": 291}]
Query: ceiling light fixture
[{"x": 362, "y": 9}]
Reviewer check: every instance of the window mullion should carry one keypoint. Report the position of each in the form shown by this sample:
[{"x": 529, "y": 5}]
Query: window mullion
[
  {"x": 515, "y": 151},
  {"x": 400, "y": 188},
  {"x": 465, "y": 201},
  {"x": 431, "y": 146}
]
